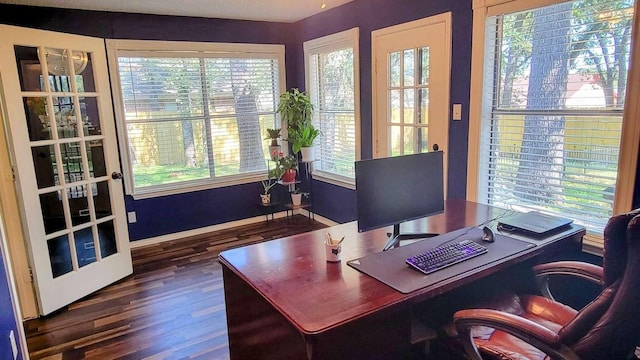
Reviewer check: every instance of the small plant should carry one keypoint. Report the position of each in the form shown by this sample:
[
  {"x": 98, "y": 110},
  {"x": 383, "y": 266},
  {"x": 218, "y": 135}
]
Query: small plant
[
  {"x": 288, "y": 162},
  {"x": 273, "y": 135},
  {"x": 283, "y": 163},
  {"x": 305, "y": 138},
  {"x": 268, "y": 184}
]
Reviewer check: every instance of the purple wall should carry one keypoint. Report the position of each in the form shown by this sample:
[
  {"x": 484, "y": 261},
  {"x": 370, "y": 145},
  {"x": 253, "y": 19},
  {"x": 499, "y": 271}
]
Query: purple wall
[
  {"x": 168, "y": 214},
  {"x": 338, "y": 203},
  {"x": 175, "y": 213},
  {"x": 7, "y": 318}
]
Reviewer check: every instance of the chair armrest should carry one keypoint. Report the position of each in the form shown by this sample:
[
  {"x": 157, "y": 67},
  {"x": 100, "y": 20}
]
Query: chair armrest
[
  {"x": 586, "y": 271},
  {"x": 537, "y": 335}
]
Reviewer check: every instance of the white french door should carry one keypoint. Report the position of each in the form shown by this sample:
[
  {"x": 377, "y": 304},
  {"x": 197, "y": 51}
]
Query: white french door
[
  {"x": 56, "y": 93},
  {"x": 411, "y": 67}
]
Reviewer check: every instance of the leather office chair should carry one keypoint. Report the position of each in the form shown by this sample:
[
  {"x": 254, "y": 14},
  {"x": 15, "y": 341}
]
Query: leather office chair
[{"x": 539, "y": 328}]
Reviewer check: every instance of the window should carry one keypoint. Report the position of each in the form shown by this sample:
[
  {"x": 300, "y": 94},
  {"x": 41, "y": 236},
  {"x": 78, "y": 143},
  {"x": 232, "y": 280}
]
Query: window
[
  {"x": 194, "y": 115},
  {"x": 332, "y": 75},
  {"x": 551, "y": 116}
]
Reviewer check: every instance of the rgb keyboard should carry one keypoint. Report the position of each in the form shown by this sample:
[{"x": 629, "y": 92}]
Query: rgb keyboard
[{"x": 445, "y": 255}]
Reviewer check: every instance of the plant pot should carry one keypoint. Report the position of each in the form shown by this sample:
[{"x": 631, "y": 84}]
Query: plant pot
[
  {"x": 289, "y": 176},
  {"x": 308, "y": 154},
  {"x": 296, "y": 199},
  {"x": 274, "y": 150},
  {"x": 265, "y": 199}
]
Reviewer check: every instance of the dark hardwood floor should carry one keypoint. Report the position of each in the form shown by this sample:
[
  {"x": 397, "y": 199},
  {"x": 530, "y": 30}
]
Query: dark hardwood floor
[{"x": 172, "y": 307}]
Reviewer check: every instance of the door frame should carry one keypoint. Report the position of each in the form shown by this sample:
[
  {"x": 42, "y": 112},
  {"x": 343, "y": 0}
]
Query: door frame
[{"x": 12, "y": 222}]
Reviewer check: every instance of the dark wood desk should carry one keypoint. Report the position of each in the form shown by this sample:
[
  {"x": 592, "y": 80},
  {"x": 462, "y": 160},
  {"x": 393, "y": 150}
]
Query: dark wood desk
[{"x": 284, "y": 301}]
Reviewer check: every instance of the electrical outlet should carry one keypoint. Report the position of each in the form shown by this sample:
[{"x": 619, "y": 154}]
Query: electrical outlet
[
  {"x": 14, "y": 346},
  {"x": 131, "y": 215}
]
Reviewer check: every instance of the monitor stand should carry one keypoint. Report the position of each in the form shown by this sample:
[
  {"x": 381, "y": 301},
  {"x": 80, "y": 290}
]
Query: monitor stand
[{"x": 396, "y": 237}]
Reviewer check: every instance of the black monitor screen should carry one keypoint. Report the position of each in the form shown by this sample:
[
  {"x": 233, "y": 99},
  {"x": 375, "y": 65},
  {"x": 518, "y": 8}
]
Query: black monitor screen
[{"x": 397, "y": 189}]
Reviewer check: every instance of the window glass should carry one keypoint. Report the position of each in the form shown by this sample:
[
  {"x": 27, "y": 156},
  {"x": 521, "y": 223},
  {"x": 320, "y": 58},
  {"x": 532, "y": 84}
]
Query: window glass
[
  {"x": 194, "y": 117},
  {"x": 331, "y": 81},
  {"x": 552, "y": 113}
]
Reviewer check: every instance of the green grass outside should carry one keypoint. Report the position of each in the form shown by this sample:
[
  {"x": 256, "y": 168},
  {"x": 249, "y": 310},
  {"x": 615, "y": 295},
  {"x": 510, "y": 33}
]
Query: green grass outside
[{"x": 166, "y": 174}]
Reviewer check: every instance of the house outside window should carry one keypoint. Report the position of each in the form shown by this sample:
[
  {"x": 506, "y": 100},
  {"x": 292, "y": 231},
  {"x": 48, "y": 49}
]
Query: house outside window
[
  {"x": 194, "y": 115},
  {"x": 548, "y": 133},
  {"x": 332, "y": 80}
]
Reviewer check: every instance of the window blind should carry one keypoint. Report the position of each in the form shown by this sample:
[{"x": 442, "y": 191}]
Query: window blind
[
  {"x": 554, "y": 89},
  {"x": 194, "y": 116},
  {"x": 331, "y": 89}
]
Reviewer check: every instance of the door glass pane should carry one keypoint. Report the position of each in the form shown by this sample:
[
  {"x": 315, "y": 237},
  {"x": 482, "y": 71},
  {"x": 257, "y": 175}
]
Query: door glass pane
[
  {"x": 95, "y": 157},
  {"x": 52, "y": 212},
  {"x": 38, "y": 123},
  {"x": 408, "y": 106},
  {"x": 424, "y": 65},
  {"x": 85, "y": 246},
  {"x": 90, "y": 118},
  {"x": 394, "y": 107},
  {"x": 423, "y": 139},
  {"x": 423, "y": 111},
  {"x": 408, "y": 140},
  {"x": 29, "y": 68},
  {"x": 60, "y": 255},
  {"x": 409, "y": 68},
  {"x": 59, "y": 68},
  {"x": 65, "y": 117},
  {"x": 101, "y": 199},
  {"x": 71, "y": 154},
  {"x": 84, "y": 78},
  {"x": 394, "y": 69},
  {"x": 396, "y": 141},
  {"x": 78, "y": 204},
  {"x": 107, "y": 238},
  {"x": 44, "y": 158}
]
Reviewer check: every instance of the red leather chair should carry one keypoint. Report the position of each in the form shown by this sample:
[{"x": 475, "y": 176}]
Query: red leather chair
[{"x": 538, "y": 328}]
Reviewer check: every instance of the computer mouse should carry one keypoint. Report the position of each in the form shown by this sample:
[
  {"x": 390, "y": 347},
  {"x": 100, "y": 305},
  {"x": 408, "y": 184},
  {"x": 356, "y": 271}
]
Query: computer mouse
[{"x": 487, "y": 234}]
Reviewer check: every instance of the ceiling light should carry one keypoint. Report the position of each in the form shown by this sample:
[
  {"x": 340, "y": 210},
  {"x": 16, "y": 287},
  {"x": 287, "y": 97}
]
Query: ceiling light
[{"x": 323, "y": 5}]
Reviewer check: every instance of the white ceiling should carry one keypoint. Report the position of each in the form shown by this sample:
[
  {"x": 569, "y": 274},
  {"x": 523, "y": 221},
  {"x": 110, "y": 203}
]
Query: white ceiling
[{"x": 260, "y": 10}]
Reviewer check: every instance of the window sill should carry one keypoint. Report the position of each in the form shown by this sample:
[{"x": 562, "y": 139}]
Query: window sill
[
  {"x": 337, "y": 180},
  {"x": 198, "y": 185}
]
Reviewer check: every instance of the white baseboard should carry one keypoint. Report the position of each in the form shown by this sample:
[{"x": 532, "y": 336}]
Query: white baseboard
[{"x": 199, "y": 231}]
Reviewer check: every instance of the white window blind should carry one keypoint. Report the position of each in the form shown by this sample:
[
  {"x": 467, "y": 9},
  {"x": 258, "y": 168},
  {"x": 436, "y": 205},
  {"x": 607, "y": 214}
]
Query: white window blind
[
  {"x": 331, "y": 79},
  {"x": 196, "y": 117},
  {"x": 554, "y": 89}
]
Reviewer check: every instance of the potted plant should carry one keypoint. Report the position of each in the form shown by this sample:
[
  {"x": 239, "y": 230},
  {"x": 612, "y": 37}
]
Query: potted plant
[
  {"x": 274, "y": 147},
  {"x": 295, "y": 109},
  {"x": 288, "y": 167},
  {"x": 303, "y": 141},
  {"x": 296, "y": 197},
  {"x": 265, "y": 197}
]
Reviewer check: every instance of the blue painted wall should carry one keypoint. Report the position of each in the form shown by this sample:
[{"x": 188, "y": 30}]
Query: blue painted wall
[
  {"x": 338, "y": 203},
  {"x": 7, "y": 317},
  {"x": 181, "y": 212}
]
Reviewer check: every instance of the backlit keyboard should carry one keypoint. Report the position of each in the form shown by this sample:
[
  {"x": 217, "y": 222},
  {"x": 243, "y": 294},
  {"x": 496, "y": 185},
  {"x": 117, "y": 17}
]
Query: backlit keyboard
[{"x": 445, "y": 255}]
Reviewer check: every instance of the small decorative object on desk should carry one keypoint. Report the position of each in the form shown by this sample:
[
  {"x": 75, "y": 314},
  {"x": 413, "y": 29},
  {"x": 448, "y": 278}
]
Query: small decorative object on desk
[{"x": 333, "y": 248}]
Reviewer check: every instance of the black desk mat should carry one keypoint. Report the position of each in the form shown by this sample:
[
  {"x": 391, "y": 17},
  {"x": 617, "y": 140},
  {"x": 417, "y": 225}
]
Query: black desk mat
[{"x": 389, "y": 266}]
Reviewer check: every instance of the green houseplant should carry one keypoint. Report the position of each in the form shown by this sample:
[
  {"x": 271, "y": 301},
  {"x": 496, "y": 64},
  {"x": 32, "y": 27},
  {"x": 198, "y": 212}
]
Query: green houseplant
[
  {"x": 285, "y": 169},
  {"x": 303, "y": 141},
  {"x": 295, "y": 109},
  {"x": 265, "y": 197}
]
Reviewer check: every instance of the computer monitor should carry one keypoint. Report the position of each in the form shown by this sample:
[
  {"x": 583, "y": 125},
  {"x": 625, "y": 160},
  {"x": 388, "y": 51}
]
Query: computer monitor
[{"x": 396, "y": 189}]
